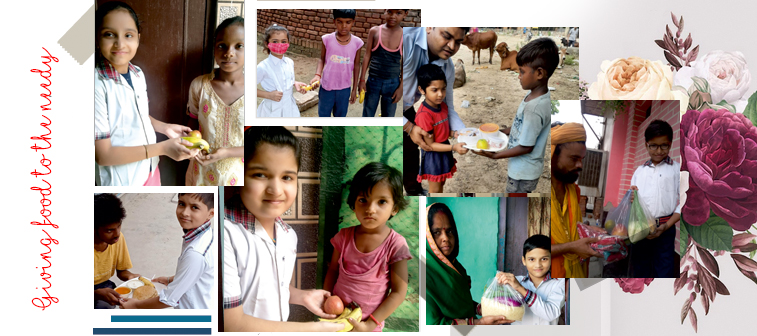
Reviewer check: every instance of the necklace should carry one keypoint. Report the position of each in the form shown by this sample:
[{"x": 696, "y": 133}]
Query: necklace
[{"x": 348, "y": 39}]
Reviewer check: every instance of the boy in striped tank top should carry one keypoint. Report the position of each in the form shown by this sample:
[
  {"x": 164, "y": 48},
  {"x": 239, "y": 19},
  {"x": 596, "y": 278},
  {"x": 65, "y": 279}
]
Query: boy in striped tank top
[{"x": 384, "y": 58}]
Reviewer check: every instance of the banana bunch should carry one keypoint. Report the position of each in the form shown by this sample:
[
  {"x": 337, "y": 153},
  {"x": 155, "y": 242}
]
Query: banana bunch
[
  {"x": 352, "y": 311},
  {"x": 311, "y": 86},
  {"x": 362, "y": 96},
  {"x": 197, "y": 143},
  {"x": 146, "y": 282}
]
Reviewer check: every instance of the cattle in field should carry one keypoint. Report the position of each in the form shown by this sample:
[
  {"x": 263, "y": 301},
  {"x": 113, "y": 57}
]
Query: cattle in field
[
  {"x": 459, "y": 74},
  {"x": 566, "y": 43},
  {"x": 508, "y": 57},
  {"x": 479, "y": 41}
]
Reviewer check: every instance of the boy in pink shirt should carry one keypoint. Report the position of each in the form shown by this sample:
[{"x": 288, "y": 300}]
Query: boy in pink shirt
[{"x": 336, "y": 68}]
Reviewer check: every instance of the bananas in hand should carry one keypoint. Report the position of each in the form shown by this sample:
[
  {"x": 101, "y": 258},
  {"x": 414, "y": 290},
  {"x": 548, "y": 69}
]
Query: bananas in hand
[
  {"x": 197, "y": 143},
  {"x": 311, "y": 86},
  {"x": 362, "y": 96},
  {"x": 352, "y": 311}
]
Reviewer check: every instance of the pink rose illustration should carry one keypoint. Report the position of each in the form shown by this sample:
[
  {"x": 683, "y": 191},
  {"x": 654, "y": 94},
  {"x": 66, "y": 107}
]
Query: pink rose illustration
[
  {"x": 633, "y": 285},
  {"x": 720, "y": 154}
]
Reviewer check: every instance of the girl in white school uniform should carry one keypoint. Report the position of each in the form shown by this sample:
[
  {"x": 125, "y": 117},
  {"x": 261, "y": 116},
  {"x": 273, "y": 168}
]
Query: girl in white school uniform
[
  {"x": 276, "y": 76},
  {"x": 126, "y": 150}
]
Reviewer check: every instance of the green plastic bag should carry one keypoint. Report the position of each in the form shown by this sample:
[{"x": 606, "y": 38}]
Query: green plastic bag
[{"x": 640, "y": 222}]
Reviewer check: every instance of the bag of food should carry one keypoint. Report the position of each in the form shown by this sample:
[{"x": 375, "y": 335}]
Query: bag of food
[
  {"x": 613, "y": 247},
  {"x": 640, "y": 222},
  {"x": 617, "y": 220},
  {"x": 502, "y": 300}
]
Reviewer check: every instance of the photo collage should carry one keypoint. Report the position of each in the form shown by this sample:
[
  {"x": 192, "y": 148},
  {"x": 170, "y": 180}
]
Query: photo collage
[{"x": 518, "y": 176}]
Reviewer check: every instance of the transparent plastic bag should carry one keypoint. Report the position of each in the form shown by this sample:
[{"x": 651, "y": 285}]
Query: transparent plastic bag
[
  {"x": 502, "y": 300},
  {"x": 617, "y": 220},
  {"x": 613, "y": 247},
  {"x": 640, "y": 222}
]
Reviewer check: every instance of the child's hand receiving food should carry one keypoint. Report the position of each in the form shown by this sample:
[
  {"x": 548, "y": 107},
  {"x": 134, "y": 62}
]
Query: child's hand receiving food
[
  {"x": 360, "y": 326},
  {"x": 300, "y": 87},
  {"x": 108, "y": 295},
  {"x": 505, "y": 130},
  {"x": 313, "y": 300},
  {"x": 128, "y": 303},
  {"x": 504, "y": 278},
  {"x": 458, "y": 147}
]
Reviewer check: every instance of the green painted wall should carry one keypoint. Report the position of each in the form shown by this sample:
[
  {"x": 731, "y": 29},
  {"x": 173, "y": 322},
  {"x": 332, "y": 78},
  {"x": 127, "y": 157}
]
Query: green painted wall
[
  {"x": 477, "y": 225},
  {"x": 345, "y": 151}
]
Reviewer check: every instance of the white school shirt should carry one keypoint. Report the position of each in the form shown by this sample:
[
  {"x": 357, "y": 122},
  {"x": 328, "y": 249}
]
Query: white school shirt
[
  {"x": 122, "y": 115},
  {"x": 543, "y": 304},
  {"x": 257, "y": 272},
  {"x": 659, "y": 186},
  {"x": 415, "y": 50},
  {"x": 276, "y": 74},
  {"x": 192, "y": 284}
]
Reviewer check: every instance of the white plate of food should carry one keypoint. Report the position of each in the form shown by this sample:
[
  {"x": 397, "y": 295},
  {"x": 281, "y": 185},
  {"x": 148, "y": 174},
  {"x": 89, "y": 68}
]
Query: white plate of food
[
  {"x": 138, "y": 289},
  {"x": 494, "y": 143}
]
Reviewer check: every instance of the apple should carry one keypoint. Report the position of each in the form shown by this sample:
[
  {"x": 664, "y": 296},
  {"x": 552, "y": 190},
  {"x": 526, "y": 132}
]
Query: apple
[
  {"x": 195, "y": 134},
  {"x": 333, "y": 305}
]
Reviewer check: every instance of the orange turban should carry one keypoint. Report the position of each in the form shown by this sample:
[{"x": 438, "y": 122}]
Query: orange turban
[{"x": 569, "y": 132}]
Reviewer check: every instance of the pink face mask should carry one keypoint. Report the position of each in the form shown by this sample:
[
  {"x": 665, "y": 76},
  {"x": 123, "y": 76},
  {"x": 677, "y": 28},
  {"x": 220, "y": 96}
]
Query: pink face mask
[{"x": 278, "y": 48}]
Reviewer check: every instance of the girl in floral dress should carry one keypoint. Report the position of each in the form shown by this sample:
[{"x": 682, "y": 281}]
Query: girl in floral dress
[{"x": 216, "y": 100}]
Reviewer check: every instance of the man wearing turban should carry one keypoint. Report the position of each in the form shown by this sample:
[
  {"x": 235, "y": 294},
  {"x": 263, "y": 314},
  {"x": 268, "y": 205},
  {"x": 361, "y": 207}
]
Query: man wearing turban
[{"x": 568, "y": 251}]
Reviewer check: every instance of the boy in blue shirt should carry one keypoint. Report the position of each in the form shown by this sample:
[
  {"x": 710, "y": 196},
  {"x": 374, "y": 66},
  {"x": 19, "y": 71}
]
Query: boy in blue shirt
[{"x": 528, "y": 135}]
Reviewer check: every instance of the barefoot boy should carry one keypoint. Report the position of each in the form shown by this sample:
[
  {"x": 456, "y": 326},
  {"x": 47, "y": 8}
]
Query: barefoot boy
[
  {"x": 111, "y": 253},
  {"x": 384, "y": 56},
  {"x": 528, "y": 135},
  {"x": 190, "y": 288},
  {"x": 544, "y": 295}
]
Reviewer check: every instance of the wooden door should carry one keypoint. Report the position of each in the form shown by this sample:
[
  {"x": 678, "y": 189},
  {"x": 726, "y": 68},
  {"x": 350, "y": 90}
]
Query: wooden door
[{"x": 174, "y": 48}]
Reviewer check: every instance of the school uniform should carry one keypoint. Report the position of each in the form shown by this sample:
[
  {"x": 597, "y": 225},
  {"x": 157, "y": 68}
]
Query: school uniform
[
  {"x": 256, "y": 269},
  {"x": 192, "y": 284},
  {"x": 543, "y": 303},
  {"x": 123, "y": 116},
  {"x": 658, "y": 189},
  {"x": 277, "y": 74}
]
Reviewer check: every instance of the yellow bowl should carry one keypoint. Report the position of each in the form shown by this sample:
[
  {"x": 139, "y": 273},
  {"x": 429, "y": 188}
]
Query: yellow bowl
[{"x": 123, "y": 290}]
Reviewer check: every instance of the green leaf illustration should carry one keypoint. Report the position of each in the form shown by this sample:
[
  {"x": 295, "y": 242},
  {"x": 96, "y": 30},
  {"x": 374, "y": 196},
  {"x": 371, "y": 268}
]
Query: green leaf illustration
[
  {"x": 684, "y": 241},
  {"x": 751, "y": 109},
  {"x": 715, "y": 234},
  {"x": 699, "y": 84}
]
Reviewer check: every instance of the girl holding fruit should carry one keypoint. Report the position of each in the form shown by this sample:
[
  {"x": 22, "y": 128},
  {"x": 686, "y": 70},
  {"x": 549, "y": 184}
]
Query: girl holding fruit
[
  {"x": 216, "y": 100},
  {"x": 126, "y": 149},
  {"x": 276, "y": 76},
  {"x": 369, "y": 264}
]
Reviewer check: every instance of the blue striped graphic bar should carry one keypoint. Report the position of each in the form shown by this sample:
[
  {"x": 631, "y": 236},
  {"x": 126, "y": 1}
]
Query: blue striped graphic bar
[
  {"x": 160, "y": 318},
  {"x": 150, "y": 331}
]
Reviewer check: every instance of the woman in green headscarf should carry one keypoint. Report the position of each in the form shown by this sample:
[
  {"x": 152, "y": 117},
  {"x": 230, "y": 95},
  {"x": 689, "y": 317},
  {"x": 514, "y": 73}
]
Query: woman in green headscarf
[{"x": 448, "y": 299}]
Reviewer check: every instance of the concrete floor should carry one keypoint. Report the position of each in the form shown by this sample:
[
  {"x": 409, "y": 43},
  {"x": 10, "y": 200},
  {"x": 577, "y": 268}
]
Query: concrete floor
[{"x": 153, "y": 235}]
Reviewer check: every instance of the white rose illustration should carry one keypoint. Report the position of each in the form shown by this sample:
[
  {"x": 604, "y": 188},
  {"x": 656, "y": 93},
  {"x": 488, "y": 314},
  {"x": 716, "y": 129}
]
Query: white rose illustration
[{"x": 727, "y": 74}]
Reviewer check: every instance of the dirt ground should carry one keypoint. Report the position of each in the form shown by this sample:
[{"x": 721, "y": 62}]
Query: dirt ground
[
  {"x": 476, "y": 173},
  {"x": 304, "y": 71}
]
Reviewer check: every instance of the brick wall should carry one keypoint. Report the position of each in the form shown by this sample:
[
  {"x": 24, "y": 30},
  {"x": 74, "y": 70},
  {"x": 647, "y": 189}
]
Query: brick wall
[{"x": 306, "y": 26}]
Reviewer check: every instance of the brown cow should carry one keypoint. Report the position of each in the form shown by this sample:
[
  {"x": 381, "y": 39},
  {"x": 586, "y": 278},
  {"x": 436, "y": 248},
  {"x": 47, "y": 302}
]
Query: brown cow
[
  {"x": 508, "y": 57},
  {"x": 481, "y": 40}
]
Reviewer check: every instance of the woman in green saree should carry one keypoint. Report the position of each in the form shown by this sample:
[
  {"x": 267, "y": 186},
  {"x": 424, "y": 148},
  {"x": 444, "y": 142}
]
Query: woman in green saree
[{"x": 448, "y": 298}]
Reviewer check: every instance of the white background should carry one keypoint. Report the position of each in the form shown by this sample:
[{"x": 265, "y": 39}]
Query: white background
[{"x": 609, "y": 29}]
